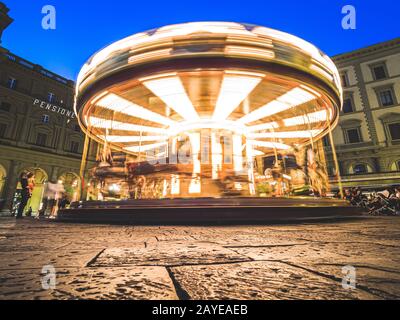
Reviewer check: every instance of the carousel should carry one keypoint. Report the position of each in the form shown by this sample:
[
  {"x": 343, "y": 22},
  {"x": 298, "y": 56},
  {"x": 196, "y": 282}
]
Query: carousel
[{"x": 208, "y": 112}]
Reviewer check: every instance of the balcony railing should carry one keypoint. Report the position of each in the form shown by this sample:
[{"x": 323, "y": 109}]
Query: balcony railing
[{"x": 371, "y": 176}]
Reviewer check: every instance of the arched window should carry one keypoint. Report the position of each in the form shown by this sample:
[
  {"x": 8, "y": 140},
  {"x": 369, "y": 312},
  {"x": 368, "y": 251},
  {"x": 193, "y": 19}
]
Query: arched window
[
  {"x": 360, "y": 168},
  {"x": 72, "y": 185},
  {"x": 395, "y": 166},
  {"x": 3, "y": 177}
]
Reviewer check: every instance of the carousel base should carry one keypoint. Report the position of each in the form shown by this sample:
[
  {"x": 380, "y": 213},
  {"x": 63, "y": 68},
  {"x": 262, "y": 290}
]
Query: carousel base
[{"x": 206, "y": 211}]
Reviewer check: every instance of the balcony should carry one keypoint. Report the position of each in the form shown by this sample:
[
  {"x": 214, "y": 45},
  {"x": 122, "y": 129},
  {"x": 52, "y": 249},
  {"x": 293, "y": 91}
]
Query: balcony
[{"x": 368, "y": 180}]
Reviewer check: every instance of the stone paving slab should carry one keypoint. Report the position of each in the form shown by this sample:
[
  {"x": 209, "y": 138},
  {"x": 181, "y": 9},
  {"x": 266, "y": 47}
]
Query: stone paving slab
[
  {"x": 37, "y": 259},
  {"x": 344, "y": 253},
  {"x": 169, "y": 253},
  {"x": 374, "y": 279},
  {"x": 138, "y": 283},
  {"x": 261, "y": 280}
]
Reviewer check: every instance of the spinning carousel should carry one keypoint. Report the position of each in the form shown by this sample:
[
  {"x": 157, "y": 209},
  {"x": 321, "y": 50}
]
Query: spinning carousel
[{"x": 191, "y": 111}]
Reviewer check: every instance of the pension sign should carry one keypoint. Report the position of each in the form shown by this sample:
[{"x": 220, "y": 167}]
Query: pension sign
[{"x": 54, "y": 108}]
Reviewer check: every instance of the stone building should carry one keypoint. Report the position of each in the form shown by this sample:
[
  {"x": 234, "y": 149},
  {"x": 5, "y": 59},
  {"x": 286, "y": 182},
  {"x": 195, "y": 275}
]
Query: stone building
[
  {"x": 38, "y": 128},
  {"x": 367, "y": 138}
]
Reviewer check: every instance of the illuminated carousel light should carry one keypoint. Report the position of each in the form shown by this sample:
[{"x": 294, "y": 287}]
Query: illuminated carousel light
[
  {"x": 289, "y": 100},
  {"x": 228, "y": 125},
  {"x": 128, "y": 139},
  {"x": 212, "y": 91},
  {"x": 258, "y": 153},
  {"x": 234, "y": 89},
  {"x": 115, "y": 103},
  {"x": 269, "y": 144},
  {"x": 114, "y": 188},
  {"x": 264, "y": 126},
  {"x": 314, "y": 117},
  {"x": 100, "y": 123},
  {"x": 146, "y": 147},
  {"x": 172, "y": 92},
  {"x": 286, "y": 135}
]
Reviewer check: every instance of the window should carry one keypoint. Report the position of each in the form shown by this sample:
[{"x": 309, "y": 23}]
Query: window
[
  {"x": 326, "y": 141},
  {"x": 360, "y": 169},
  {"x": 74, "y": 147},
  {"x": 5, "y": 106},
  {"x": 353, "y": 135},
  {"x": 12, "y": 83},
  {"x": 398, "y": 165},
  {"x": 41, "y": 139},
  {"x": 379, "y": 72},
  {"x": 46, "y": 118},
  {"x": 330, "y": 171},
  {"x": 386, "y": 97},
  {"x": 345, "y": 79},
  {"x": 3, "y": 130},
  {"x": 394, "y": 129},
  {"x": 348, "y": 105},
  {"x": 50, "y": 97}
]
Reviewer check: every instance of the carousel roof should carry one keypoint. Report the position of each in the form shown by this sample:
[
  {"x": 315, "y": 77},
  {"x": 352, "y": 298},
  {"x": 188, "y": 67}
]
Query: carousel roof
[{"x": 276, "y": 90}]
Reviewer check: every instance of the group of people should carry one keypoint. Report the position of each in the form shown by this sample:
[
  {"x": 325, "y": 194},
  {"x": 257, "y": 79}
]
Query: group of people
[
  {"x": 54, "y": 196},
  {"x": 386, "y": 202}
]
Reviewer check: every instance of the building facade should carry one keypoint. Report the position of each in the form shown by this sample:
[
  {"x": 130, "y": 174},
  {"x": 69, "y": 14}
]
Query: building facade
[
  {"x": 367, "y": 138},
  {"x": 38, "y": 128}
]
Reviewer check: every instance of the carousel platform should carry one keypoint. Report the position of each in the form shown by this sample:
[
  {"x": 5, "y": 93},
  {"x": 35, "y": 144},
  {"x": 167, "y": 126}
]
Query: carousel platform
[{"x": 205, "y": 211}]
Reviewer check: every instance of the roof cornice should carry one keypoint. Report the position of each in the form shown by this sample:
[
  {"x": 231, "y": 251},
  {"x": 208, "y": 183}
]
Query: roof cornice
[{"x": 382, "y": 46}]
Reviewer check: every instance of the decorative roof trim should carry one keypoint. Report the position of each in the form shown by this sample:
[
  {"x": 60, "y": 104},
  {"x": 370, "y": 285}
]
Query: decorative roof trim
[{"x": 367, "y": 50}]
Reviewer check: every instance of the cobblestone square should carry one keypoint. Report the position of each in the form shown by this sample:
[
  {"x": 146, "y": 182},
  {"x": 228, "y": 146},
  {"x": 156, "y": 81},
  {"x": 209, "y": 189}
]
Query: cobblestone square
[{"x": 294, "y": 261}]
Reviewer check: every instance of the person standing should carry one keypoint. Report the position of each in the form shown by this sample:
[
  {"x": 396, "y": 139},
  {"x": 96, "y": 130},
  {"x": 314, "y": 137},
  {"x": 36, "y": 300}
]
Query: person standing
[
  {"x": 49, "y": 196},
  {"x": 25, "y": 192},
  {"x": 59, "y": 190},
  {"x": 31, "y": 186},
  {"x": 64, "y": 202},
  {"x": 31, "y": 183}
]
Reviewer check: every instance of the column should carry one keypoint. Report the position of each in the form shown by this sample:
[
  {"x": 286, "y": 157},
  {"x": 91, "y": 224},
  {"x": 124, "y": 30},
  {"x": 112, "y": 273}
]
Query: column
[
  {"x": 195, "y": 183},
  {"x": 237, "y": 153},
  {"x": 250, "y": 167}
]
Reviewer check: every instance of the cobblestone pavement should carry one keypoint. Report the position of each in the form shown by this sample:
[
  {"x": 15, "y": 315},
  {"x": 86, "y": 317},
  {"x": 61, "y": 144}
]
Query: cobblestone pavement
[{"x": 295, "y": 261}]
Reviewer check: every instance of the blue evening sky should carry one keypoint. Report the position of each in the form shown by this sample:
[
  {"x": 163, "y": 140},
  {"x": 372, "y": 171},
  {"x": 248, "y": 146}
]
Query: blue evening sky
[{"x": 85, "y": 26}]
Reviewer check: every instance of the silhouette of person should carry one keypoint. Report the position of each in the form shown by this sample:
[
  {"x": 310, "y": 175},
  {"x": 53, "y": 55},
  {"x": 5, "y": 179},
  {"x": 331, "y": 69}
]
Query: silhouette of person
[{"x": 25, "y": 192}]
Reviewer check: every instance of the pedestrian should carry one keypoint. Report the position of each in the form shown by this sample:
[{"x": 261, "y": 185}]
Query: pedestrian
[
  {"x": 59, "y": 191},
  {"x": 31, "y": 183},
  {"x": 347, "y": 195},
  {"x": 25, "y": 192},
  {"x": 64, "y": 202},
  {"x": 397, "y": 200},
  {"x": 397, "y": 192},
  {"x": 48, "y": 199}
]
